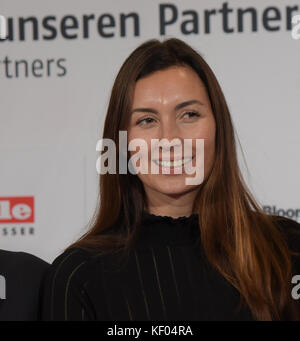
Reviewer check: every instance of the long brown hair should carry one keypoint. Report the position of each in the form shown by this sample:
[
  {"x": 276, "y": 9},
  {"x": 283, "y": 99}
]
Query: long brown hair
[{"x": 250, "y": 251}]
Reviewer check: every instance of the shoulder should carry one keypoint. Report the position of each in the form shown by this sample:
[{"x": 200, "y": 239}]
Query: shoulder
[
  {"x": 291, "y": 232},
  {"x": 286, "y": 222},
  {"x": 75, "y": 267},
  {"x": 22, "y": 262},
  {"x": 72, "y": 279},
  {"x": 23, "y": 275},
  {"x": 71, "y": 257},
  {"x": 290, "y": 229},
  {"x": 63, "y": 285},
  {"x": 68, "y": 264}
]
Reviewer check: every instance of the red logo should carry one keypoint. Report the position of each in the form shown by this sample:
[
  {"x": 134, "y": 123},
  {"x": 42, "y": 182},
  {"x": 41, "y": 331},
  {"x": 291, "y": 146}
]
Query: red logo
[{"x": 16, "y": 210}]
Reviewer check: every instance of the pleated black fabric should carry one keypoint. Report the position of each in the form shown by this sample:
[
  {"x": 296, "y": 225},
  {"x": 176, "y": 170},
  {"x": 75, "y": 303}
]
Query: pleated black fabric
[{"x": 166, "y": 277}]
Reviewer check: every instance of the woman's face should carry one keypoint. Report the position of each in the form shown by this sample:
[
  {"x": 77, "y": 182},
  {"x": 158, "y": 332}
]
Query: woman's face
[{"x": 162, "y": 91}]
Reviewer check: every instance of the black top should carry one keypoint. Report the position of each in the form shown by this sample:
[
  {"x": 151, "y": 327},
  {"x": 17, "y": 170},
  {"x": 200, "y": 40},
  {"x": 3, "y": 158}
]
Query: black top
[
  {"x": 166, "y": 277},
  {"x": 21, "y": 280}
]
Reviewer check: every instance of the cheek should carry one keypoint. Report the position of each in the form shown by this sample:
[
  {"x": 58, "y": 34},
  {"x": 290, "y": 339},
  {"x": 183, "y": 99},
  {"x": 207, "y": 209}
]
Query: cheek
[
  {"x": 130, "y": 135},
  {"x": 209, "y": 138},
  {"x": 208, "y": 134},
  {"x": 139, "y": 134},
  {"x": 209, "y": 149},
  {"x": 143, "y": 149},
  {"x": 209, "y": 154}
]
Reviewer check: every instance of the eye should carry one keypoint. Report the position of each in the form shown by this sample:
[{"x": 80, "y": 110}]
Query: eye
[
  {"x": 145, "y": 120},
  {"x": 191, "y": 113}
]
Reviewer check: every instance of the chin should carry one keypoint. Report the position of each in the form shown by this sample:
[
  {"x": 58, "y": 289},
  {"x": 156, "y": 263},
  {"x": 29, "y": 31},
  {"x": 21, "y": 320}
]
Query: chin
[{"x": 167, "y": 187}]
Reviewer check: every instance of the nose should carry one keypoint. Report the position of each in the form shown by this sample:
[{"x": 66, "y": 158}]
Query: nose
[{"x": 169, "y": 129}]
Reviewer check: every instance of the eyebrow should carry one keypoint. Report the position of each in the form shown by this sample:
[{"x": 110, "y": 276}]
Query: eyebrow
[{"x": 177, "y": 107}]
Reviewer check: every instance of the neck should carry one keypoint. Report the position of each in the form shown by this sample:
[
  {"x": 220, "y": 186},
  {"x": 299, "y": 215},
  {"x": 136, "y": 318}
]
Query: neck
[{"x": 171, "y": 205}]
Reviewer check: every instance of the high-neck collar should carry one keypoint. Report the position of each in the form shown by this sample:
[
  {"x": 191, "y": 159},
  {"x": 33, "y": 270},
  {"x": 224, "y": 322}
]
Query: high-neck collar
[{"x": 166, "y": 230}]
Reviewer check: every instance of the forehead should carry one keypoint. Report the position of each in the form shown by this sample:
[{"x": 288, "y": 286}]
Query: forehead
[{"x": 172, "y": 83}]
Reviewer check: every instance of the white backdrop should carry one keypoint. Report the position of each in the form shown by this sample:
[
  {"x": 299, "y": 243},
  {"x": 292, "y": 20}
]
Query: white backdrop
[{"x": 52, "y": 115}]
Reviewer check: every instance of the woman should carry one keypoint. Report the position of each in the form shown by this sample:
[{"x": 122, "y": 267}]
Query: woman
[{"x": 160, "y": 249}]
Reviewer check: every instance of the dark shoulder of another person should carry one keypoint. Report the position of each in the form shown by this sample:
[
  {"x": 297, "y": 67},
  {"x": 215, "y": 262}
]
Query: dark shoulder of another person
[
  {"x": 21, "y": 261},
  {"x": 22, "y": 275}
]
